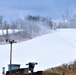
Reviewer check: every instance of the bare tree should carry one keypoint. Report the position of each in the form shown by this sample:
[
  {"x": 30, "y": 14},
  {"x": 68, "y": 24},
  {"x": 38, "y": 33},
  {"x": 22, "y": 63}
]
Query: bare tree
[{"x": 1, "y": 24}]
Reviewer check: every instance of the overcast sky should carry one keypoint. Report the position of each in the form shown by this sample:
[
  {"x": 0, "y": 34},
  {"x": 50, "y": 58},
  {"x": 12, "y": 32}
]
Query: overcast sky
[{"x": 12, "y": 9}]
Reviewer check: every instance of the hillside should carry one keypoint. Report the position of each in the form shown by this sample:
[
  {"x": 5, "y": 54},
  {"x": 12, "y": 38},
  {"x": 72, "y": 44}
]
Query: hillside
[
  {"x": 67, "y": 69},
  {"x": 49, "y": 50}
]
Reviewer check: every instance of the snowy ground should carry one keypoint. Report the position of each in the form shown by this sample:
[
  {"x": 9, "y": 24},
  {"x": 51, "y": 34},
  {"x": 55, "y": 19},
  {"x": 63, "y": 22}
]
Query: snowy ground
[{"x": 49, "y": 50}]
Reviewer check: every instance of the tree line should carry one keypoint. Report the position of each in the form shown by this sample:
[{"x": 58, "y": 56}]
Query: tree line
[{"x": 30, "y": 26}]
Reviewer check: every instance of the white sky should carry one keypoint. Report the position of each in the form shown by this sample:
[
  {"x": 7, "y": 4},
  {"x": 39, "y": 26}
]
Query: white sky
[{"x": 48, "y": 8}]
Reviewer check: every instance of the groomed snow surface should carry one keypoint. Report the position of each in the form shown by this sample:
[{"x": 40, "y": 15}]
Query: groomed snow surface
[{"x": 49, "y": 50}]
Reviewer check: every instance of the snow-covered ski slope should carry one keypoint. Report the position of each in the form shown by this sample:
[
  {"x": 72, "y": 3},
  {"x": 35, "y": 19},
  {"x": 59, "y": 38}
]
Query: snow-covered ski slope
[{"x": 49, "y": 50}]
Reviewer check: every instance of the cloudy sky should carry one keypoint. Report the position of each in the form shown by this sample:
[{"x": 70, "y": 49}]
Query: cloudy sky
[{"x": 12, "y": 9}]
